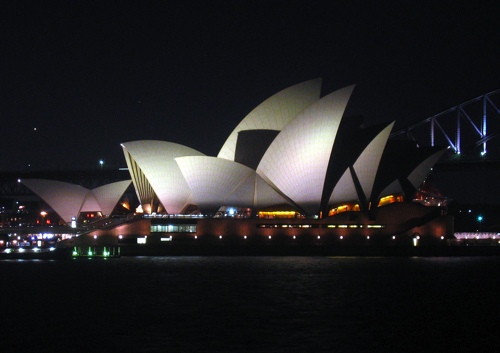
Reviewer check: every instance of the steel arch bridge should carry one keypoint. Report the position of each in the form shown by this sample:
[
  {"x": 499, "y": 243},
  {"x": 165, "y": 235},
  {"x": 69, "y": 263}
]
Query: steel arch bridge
[{"x": 468, "y": 129}]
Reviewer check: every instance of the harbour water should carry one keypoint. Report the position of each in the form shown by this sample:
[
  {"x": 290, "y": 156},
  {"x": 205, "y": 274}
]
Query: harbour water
[{"x": 251, "y": 304}]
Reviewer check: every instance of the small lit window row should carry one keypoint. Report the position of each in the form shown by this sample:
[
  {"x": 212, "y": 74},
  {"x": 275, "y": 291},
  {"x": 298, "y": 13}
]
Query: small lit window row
[
  {"x": 287, "y": 225},
  {"x": 343, "y": 208},
  {"x": 188, "y": 216},
  {"x": 22, "y": 250},
  {"x": 354, "y": 226},
  {"x": 174, "y": 228},
  {"x": 278, "y": 214}
]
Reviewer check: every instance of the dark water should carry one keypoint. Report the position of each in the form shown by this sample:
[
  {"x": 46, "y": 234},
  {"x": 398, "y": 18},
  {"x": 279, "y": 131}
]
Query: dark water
[{"x": 251, "y": 304}]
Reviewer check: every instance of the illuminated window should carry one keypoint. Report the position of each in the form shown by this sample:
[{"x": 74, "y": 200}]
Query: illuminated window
[
  {"x": 390, "y": 199},
  {"x": 343, "y": 208},
  {"x": 278, "y": 214},
  {"x": 173, "y": 228}
]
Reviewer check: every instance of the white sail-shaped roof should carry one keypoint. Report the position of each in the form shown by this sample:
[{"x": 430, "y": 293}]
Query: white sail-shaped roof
[
  {"x": 418, "y": 175},
  {"x": 297, "y": 160},
  {"x": 415, "y": 177},
  {"x": 108, "y": 195},
  {"x": 365, "y": 167},
  {"x": 155, "y": 160},
  {"x": 216, "y": 182},
  {"x": 345, "y": 190},
  {"x": 65, "y": 199},
  {"x": 274, "y": 113},
  {"x": 69, "y": 200},
  {"x": 393, "y": 188},
  {"x": 90, "y": 204},
  {"x": 265, "y": 195}
]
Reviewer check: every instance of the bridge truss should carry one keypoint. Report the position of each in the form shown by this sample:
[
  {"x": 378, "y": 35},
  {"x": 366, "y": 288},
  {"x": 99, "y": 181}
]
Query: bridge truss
[{"x": 467, "y": 129}]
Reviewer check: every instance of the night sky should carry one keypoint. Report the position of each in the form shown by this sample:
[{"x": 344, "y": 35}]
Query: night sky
[{"x": 80, "y": 77}]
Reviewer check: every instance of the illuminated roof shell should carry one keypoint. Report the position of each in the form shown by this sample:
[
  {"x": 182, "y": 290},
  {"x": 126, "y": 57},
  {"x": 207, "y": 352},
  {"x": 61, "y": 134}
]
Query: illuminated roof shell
[
  {"x": 302, "y": 166},
  {"x": 297, "y": 160},
  {"x": 217, "y": 182},
  {"x": 414, "y": 174},
  {"x": 65, "y": 199},
  {"x": 90, "y": 204},
  {"x": 365, "y": 168},
  {"x": 274, "y": 113},
  {"x": 153, "y": 169},
  {"x": 417, "y": 176},
  {"x": 69, "y": 200},
  {"x": 106, "y": 195}
]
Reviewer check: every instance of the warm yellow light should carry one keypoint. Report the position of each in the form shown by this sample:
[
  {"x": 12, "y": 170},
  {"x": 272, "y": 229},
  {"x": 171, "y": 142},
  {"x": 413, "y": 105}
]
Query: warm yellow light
[
  {"x": 277, "y": 214},
  {"x": 344, "y": 208},
  {"x": 390, "y": 199}
]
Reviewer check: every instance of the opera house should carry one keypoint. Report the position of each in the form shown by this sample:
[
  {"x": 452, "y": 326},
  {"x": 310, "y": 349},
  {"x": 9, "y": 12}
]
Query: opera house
[{"x": 294, "y": 168}]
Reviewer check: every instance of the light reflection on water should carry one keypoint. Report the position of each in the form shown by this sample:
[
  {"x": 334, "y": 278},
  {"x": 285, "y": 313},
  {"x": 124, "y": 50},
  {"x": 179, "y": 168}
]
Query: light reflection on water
[{"x": 268, "y": 304}]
